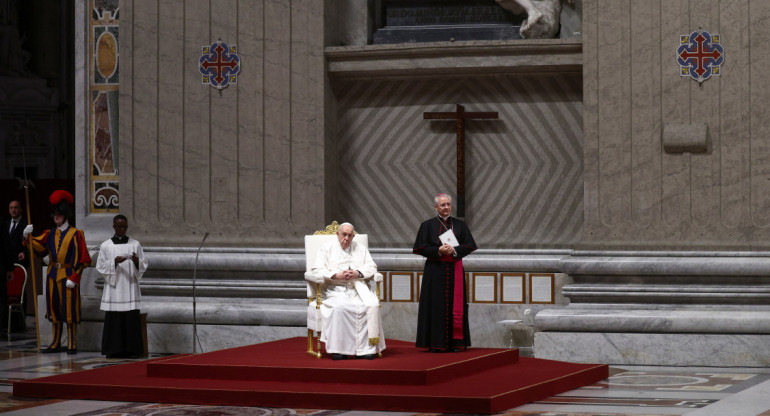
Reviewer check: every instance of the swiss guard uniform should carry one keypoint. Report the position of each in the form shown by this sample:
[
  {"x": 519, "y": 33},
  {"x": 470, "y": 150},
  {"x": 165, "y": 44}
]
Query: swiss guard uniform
[{"x": 68, "y": 257}]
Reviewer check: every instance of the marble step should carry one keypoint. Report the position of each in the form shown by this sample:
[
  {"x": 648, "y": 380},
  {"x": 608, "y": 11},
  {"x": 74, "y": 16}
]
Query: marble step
[
  {"x": 225, "y": 288},
  {"x": 668, "y": 293},
  {"x": 214, "y": 311},
  {"x": 662, "y": 349},
  {"x": 663, "y": 320}
]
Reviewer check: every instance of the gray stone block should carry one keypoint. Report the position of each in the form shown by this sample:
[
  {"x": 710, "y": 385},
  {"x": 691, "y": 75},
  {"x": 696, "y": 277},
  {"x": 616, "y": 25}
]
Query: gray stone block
[{"x": 685, "y": 138}]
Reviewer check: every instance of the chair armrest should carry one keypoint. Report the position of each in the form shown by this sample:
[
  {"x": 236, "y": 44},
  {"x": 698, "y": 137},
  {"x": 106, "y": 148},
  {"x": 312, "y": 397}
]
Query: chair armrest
[{"x": 313, "y": 277}]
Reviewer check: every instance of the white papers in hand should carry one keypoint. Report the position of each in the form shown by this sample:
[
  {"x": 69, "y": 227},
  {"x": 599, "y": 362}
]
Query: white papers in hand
[{"x": 449, "y": 238}]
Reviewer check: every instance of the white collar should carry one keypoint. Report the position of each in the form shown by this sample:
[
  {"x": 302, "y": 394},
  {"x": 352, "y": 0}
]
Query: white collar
[{"x": 64, "y": 226}]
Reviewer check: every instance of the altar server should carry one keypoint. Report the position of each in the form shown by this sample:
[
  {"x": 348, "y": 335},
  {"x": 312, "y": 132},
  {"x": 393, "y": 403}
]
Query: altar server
[{"x": 121, "y": 261}]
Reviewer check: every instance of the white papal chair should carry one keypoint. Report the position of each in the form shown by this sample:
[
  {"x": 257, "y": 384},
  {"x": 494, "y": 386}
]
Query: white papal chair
[{"x": 313, "y": 244}]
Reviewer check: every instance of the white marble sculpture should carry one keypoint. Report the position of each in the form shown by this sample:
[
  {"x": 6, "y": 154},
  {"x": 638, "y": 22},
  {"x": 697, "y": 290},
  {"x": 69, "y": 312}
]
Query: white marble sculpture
[{"x": 542, "y": 20}]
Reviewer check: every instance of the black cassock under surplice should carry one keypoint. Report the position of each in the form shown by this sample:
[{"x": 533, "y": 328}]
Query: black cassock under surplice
[
  {"x": 122, "y": 334},
  {"x": 437, "y": 295}
]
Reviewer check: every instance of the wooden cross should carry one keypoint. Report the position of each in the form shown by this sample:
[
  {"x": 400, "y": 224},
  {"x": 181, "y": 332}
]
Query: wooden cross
[{"x": 460, "y": 116}]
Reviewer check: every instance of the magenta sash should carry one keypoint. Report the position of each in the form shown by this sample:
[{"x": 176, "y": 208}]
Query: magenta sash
[{"x": 458, "y": 301}]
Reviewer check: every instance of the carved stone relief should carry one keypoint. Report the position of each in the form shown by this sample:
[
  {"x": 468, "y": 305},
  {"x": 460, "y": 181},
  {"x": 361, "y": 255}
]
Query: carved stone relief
[{"x": 542, "y": 20}]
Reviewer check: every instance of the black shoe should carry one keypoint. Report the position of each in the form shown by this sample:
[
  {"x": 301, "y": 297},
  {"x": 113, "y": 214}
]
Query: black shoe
[
  {"x": 366, "y": 357},
  {"x": 51, "y": 350},
  {"x": 435, "y": 350},
  {"x": 72, "y": 351},
  {"x": 454, "y": 349},
  {"x": 337, "y": 357}
]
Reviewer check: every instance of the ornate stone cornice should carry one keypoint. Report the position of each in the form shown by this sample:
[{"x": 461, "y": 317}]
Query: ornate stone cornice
[{"x": 454, "y": 59}]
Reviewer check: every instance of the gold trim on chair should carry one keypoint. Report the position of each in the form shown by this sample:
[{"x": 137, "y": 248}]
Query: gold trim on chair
[
  {"x": 330, "y": 229},
  {"x": 317, "y": 352}
]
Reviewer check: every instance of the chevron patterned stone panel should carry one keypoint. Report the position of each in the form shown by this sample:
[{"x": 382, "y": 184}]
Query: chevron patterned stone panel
[{"x": 524, "y": 172}]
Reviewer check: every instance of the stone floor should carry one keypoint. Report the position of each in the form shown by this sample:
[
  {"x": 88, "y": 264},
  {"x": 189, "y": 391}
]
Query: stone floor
[{"x": 628, "y": 391}]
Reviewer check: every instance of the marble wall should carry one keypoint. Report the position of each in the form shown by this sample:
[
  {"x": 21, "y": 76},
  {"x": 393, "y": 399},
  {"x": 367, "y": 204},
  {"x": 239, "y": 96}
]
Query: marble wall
[
  {"x": 577, "y": 161},
  {"x": 245, "y": 163},
  {"x": 523, "y": 178},
  {"x": 350, "y": 22},
  {"x": 259, "y": 163},
  {"x": 673, "y": 260},
  {"x": 638, "y": 194},
  {"x": 264, "y": 161}
]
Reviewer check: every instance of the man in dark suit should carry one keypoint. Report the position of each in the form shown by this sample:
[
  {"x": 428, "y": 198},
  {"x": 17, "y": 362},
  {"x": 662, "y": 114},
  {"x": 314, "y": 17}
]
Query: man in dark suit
[{"x": 12, "y": 252}]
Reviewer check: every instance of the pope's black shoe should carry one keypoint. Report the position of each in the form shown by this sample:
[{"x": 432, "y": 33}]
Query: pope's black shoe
[
  {"x": 367, "y": 357},
  {"x": 338, "y": 357}
]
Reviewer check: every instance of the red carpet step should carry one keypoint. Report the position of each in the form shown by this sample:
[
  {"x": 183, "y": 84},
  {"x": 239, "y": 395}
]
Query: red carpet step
[
  {"x": 279, "y": 361},
  {"x": 281, "y": 374}
]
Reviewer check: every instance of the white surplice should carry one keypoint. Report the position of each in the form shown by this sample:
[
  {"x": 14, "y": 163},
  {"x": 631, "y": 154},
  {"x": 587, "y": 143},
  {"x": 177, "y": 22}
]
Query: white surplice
[
  {"x": 350, "y": 312},
  {"x": 121, "y": 282}
]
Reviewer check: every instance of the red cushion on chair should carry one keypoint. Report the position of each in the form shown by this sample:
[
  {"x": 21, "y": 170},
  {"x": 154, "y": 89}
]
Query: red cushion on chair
[{"x": 16, "y": 284}]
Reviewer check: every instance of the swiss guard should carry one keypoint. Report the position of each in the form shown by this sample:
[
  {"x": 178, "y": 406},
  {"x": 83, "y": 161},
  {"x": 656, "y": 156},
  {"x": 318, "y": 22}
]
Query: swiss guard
[{"x": 66, "y": 247}]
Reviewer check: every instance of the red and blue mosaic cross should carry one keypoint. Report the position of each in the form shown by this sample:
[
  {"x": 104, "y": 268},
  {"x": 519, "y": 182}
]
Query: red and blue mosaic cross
[
  {"x": 219, "y": 64},
  {"x": 700, "y": 55}
]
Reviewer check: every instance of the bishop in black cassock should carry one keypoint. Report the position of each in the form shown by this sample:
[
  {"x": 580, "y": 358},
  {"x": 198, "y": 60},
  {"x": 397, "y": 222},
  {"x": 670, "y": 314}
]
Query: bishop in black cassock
[{"x": 442, "y": 321}]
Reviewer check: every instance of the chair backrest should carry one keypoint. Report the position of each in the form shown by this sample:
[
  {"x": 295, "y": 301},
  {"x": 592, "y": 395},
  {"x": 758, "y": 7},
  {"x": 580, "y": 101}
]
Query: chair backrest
[
  {"x": 313, "y": 244},
  {"x": 17, "y": 282}
]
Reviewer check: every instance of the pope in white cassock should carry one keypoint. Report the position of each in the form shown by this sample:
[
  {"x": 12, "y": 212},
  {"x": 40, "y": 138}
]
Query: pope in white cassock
[
  {"x": 122, "y": 263},
  {"x": 350, "y": 312}
]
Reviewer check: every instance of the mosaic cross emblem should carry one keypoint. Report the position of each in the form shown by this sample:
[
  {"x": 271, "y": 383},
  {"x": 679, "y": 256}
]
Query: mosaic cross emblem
[
  {"x": 219, "y": 64},
  {"x": 700, "y": 55}
]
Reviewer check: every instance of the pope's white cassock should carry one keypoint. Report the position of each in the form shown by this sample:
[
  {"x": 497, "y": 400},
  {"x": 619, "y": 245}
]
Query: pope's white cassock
[
  {"x": 350, "y": 312},
  {"x": 121, "y": 282}
]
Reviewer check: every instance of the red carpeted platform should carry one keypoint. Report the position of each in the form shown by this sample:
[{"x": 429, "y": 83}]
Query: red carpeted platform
[{"x": 281, "y": 374}]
